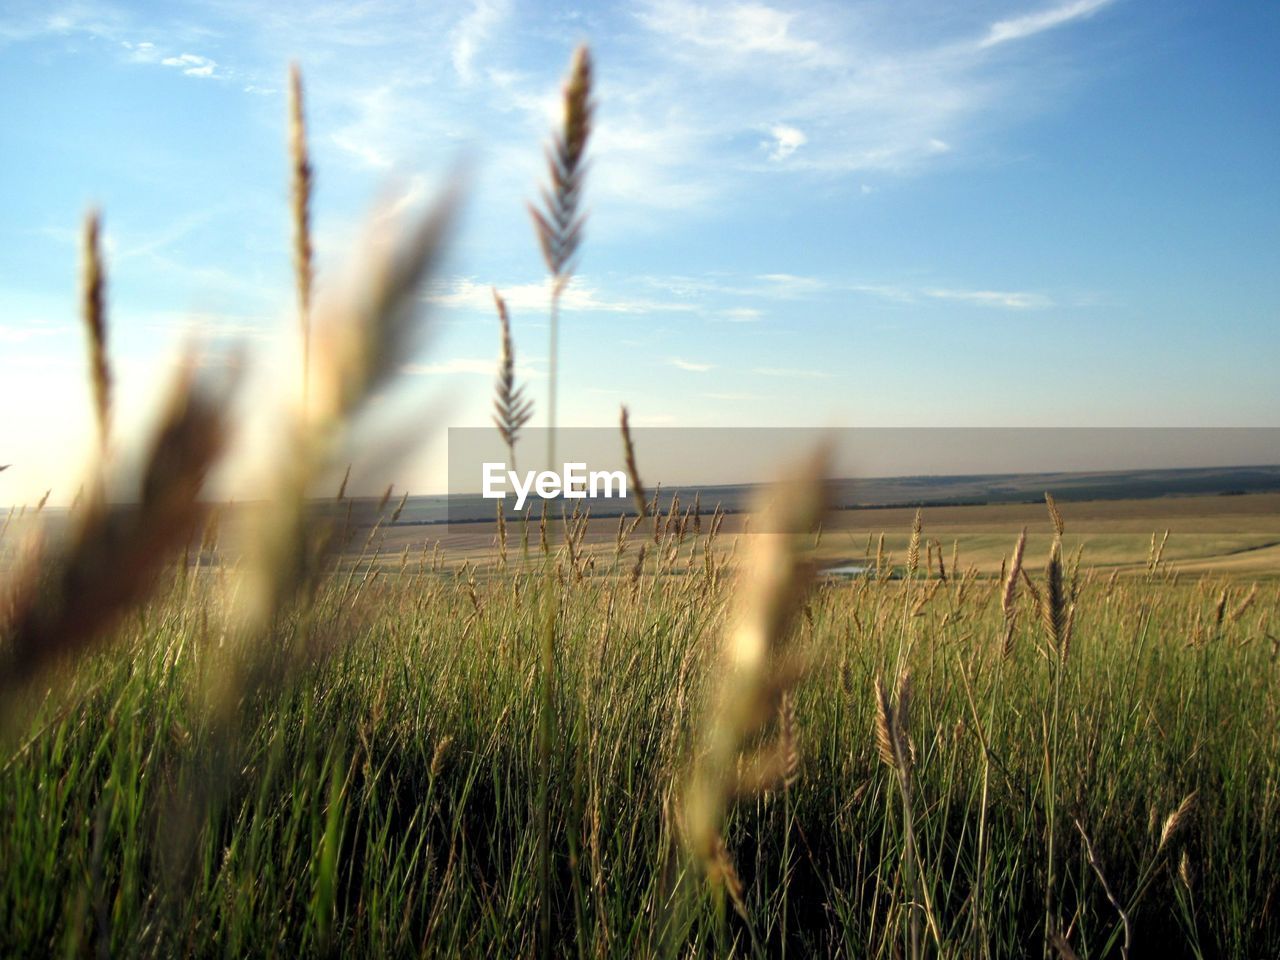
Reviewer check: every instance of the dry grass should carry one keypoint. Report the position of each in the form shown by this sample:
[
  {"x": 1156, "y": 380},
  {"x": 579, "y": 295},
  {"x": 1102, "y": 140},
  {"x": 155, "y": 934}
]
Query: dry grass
[
  {"x": 95, "y": 324},
  {"x": 633, "y": 470},
  {"x": 66, "y": 599},
  {"x": 512, "y": 410},
  {"x": 302, "y": 176},
  {"x": 759, "y": 666},
  {"x": 559, "y": 221}
]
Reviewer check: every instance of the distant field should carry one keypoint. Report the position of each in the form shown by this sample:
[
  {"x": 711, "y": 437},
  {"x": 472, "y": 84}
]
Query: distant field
[{"x": 1236, "y": 535}]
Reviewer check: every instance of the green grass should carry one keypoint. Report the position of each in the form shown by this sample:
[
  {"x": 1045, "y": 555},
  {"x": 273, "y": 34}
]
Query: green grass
[{"x": 384, "y": 799}]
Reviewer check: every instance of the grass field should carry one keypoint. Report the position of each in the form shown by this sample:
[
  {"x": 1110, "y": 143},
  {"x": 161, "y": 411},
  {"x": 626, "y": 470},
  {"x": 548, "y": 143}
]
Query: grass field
[
  {"x": 1237, "y": 535},
  {"x": 382, "y": 796}
]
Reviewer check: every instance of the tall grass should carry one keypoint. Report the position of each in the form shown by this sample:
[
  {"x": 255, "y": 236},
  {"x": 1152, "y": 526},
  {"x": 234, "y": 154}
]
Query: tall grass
[
  {"x": 388, "y": 798},
  {"x": 559, "y": 220}
]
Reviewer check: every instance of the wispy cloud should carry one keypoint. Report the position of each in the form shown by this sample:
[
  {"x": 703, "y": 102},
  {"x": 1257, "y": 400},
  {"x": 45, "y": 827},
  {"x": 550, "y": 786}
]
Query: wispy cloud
[
  {"x": 30, "y": 21},
  {"x": 689, "y": 365},
  {"x": 26, "y": 333},
  {"x": 704, "y": 292},
  {"x": 1013, "y": 300},
  {"x": 474, "y": 30},
  {"x": 707, "y": 98},
  {"x": 793, "y": 373},
  {"x": 766, "y": 286},
  {"x": 738, "y": 315},
  {"x": 471, "y": 366},
  {"x": 845, "y": 92},
  {"x": 895, "y": 293},
  {"x": 579, "y": 296},
  {"x": 192, "y": 64},
  {"x": 736, "y": 29},
  {"x": 141, "y": 52},
  {"x": 786, "y": 141},
  {"x": 788, "y": 285},
  {"x": 1016, "y": 28}
]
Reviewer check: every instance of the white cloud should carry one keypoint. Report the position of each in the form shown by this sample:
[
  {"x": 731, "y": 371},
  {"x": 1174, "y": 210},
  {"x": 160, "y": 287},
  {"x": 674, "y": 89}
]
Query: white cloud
[
  {"x": 679, "y": 126},
  {"x": 650, "y": 153},
  {"x": 371, "y": 156},
  {"x": 885, "y": 291},
  {"x": 786, "y": 141},
  {"x": 792, "y": 373},
  {"x": 866, "y": 88},
  {"x": 770, "y": 286},
  {"x": 472, "y": 366},
  {"x": 739, "y": 29},
  {"x": 474, "y": 30},
  {"x": 788, "y": 285},
  {"x": 738, "y": 315},
  {"x": 579, "y": 295},
  {"x": 192, "y": 64},
  {"x": 1013, "y": 300},
  {"x": 143, "y": 52},
  {"x": 16, "y": 333},
  {"x": 383, "y": 118},
  {"x": 20, "y": 22},
  {"x": 689, "y": 365},
  {"x": 1016, "y": 28}
]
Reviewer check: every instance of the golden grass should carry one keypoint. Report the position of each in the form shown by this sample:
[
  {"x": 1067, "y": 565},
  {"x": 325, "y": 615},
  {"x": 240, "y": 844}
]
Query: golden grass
[
  {"x": 94, "y": 313},
  {"x": 558, "y": 223},
  {"x": 759, "y": 666},
  {"x": 512, "y": 410},
  {"x": 301, "y": 183}
]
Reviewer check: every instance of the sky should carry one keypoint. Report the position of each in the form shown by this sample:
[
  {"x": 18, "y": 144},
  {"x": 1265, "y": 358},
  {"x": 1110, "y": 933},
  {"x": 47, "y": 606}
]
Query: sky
[{"x": 911, "y": 213}]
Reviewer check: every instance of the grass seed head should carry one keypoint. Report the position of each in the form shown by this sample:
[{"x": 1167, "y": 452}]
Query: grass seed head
[
  {"x": 301, "y": 183},
  {"x": 558, "y": 223},
  {"x": 913, "y": 550},
  {"x": 94, "y": 310},
  {"x": 1055, "y": 516},
  {"x": 1010, "y": 593},
  {"x": 757, "y": 663},
  {"x": 1178, "y": 819},
  {"x": 512, "y": 409}
]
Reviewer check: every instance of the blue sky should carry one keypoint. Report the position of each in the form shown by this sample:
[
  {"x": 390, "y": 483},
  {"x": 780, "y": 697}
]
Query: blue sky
[{"x": 872, "y": 214}]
